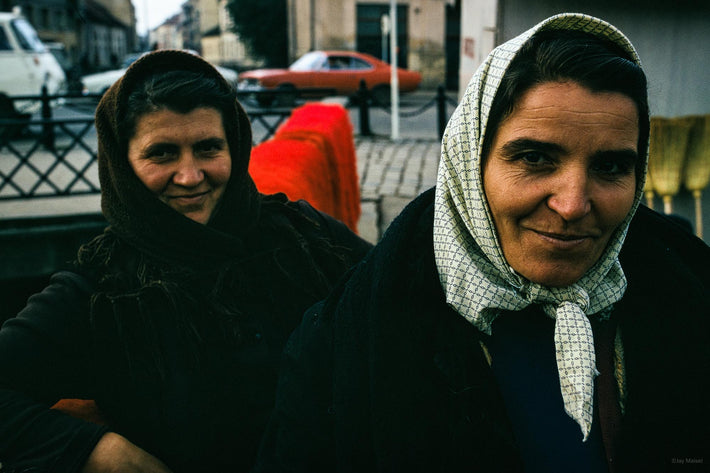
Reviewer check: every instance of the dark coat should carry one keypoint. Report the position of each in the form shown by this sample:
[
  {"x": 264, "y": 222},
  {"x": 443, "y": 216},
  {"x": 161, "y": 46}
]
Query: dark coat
[
  {"x": 208, "y": 406},
  {"x": 384, "y": 376},
  {"x": 176, "y": 327}
]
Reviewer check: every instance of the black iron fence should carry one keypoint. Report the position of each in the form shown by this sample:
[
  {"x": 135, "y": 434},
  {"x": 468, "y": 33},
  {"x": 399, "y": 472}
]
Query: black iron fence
[
  {"x": 49, "y": 156},
  {"x": 365, "y": 100},
  {"x": 53, "y": 157}
]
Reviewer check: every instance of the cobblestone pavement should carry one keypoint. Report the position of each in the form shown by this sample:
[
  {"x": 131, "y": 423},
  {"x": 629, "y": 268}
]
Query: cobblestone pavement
[{"x": 391, "y": 175}]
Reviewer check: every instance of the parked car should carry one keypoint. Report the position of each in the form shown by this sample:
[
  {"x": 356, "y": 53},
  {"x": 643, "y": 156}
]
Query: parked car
[
  {"x": 26, "y": 66},
  {"x": 100, "y": 82},
  {"x": 340, "y": 71}
]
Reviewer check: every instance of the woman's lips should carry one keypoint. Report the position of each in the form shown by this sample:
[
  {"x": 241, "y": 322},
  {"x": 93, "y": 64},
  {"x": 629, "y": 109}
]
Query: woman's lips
[
  {"x": 188, "y": 199},
  {"x": 564, "y": 241}
]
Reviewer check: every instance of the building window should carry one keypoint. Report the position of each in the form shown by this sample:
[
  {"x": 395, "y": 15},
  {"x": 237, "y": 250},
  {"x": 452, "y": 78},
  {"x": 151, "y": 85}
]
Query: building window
[
  {"x": 369, "y": 32},
  {"x": 44, "y": 18},
  {"x": 29, "y": 13}
]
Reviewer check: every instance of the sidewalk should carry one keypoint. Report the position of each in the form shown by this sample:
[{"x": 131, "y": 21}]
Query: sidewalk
[{"x": 391, "y": 175}]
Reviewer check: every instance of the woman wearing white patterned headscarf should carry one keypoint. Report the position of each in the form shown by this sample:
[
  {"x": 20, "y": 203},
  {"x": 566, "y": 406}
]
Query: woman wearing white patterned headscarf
[{"x": 527, "y": 315}]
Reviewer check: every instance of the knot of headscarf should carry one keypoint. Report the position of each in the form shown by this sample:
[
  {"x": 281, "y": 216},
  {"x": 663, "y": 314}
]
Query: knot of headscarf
[{"x": 475, "y": 276}]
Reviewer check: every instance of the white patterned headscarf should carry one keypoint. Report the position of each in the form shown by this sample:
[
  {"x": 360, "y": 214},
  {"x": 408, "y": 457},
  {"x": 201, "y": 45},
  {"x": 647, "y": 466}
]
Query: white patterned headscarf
[{"x": 474, "y": 274}]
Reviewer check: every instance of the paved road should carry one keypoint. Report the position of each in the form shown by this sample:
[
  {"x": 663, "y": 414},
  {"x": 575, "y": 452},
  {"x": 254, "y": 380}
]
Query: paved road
[{"x": 391, "y": 175}]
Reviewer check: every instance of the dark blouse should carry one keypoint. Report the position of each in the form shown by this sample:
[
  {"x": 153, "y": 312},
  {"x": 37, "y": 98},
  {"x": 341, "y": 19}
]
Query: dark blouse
[{"x": 523, "y": 360}]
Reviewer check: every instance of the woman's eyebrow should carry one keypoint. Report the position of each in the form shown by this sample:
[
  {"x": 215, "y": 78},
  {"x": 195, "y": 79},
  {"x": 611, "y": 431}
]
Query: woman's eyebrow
[
  {"x": 526, "y": 144},
  {"x": 626, "y": 154},
  {"x": 210, "y": 142}
]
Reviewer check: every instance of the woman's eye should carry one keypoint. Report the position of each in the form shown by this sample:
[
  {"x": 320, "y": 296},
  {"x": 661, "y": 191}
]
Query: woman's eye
[
  {"x": 161, "y": 156},
  {"x": 534, "y": 159},
  {"x": 613, "y": 167},
  {"x": 209, "y": 148}
]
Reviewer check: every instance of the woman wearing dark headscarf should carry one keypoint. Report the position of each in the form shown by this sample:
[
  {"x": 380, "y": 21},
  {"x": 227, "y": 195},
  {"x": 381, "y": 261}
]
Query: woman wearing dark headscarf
[
  {"x": 527, "y": 314},
  {"x": 174, "y": 318}
]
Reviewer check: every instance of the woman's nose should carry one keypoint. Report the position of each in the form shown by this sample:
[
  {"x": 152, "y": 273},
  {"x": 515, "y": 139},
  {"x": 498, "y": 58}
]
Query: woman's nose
[
  {"x": 571, "y": 197},
  {"x": 188, "y": 172}
]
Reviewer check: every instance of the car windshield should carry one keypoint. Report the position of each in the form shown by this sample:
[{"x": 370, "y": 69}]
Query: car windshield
[
  {"x": 27, "y": 36},
  {"x": 309, "y": 62}
]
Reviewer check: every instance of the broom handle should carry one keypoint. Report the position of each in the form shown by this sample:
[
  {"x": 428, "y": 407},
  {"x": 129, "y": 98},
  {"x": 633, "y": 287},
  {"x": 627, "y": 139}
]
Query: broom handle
[
  {"x": 667, "y": 204},
  {"x": 698, "y": 213},
  {"x": 649, "y": 199}
]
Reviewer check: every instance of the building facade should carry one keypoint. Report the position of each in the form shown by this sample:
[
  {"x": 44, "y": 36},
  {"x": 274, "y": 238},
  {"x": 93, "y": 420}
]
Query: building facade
[
  {"x": 222, "y": 45},
  {"x": 168, "y": 35},
  {"x": 92, "y": 34},
  {"x": 105, "y": 38},
  {"x": 426, "y": 30}
]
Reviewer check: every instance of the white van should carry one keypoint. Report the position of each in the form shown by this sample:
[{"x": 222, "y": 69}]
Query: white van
[{"x": 26, "y": 64}]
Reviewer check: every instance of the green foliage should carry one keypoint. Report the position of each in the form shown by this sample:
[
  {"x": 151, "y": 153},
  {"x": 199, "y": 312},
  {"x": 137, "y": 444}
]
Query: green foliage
[{"x": 262, "y": 27}]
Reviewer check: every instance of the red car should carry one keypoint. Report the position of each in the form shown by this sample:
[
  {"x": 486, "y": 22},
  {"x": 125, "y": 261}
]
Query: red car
[{"x": 341, "y": 71}]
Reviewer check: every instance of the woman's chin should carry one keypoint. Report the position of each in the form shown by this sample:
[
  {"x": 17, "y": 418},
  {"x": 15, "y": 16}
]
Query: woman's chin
[{"x": 554, "y": 276}]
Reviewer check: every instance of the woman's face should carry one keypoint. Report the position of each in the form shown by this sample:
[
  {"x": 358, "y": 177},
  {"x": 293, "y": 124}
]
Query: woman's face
[
  {"x": 560, "y": 178},
  {"x": 183, "y": 158}
]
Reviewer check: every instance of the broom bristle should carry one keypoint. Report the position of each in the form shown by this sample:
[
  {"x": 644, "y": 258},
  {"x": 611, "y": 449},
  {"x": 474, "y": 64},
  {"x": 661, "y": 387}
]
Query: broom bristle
[
  {"x": 697, "y": 165},
  {"x": 648, "y": 191},
  {"x": 667, "y": 151}
]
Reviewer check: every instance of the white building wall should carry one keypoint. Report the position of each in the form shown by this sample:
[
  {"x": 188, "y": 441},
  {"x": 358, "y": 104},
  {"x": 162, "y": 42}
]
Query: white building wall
[{"x": 478, "y": 36}]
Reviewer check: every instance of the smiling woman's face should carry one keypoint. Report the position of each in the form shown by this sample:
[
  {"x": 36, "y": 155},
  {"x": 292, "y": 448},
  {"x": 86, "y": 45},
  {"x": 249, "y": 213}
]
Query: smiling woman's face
[
  {"x": 560, "y": 178},
  {"x": 183, "y": 158}
]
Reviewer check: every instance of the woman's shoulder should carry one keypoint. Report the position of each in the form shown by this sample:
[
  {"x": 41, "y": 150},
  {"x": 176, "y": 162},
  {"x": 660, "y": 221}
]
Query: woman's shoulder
[
  {"x": 413, "y": 228},
  {"x": 653, "y": 235},
  {"x": 402, "y": 263},
  {"x": 659, "y": 249},
  {"x": 62, "y": 304}
]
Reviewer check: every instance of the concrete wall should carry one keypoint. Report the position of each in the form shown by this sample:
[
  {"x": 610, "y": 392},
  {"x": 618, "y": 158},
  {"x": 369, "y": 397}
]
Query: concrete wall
[{"x": 479, "y": 28}]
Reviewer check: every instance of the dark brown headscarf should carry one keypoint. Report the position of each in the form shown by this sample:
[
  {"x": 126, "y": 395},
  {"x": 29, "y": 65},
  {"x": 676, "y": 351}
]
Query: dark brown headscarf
[
  {"x": 134, "y": 212},
  {"x": 257, "y": 255}
]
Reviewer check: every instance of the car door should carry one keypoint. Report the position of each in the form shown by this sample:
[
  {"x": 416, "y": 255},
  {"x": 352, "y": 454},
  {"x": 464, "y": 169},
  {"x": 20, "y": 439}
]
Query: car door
[
  {"x": 26, "y": 63},
  {"x": 344, "y": 73},
  {"x": 16, "y": 78}
]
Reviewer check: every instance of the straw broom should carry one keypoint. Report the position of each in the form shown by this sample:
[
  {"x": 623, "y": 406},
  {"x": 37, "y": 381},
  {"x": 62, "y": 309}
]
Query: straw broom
[
  {"x": 666, "y": 156},
  {"x": 648, "y": 191},
  {"x": 697, "y": 166}
]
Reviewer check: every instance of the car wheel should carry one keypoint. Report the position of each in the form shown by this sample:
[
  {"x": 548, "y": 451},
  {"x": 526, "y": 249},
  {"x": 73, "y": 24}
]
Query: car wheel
[
  {"x": 287, "y": 95},
  {"x": 381, "y": 95}
]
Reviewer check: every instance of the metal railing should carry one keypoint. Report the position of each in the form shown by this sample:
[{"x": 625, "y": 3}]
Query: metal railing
[
  {"x": 54, "y": 157},
  {"x": 366, "y": 100},
  {"x": 34, "y": 167}
]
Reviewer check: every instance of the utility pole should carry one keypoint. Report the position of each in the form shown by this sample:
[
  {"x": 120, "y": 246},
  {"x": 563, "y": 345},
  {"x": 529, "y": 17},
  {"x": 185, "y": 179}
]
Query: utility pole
[
  {"x": 384, "y": 30},
  {"x": 394, "y": 78}
]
